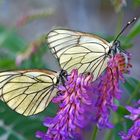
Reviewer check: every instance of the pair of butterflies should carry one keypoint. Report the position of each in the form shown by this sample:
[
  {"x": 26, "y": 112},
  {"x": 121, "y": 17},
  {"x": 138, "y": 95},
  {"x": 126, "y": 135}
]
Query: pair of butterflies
[{"x": 29, "y": 92}]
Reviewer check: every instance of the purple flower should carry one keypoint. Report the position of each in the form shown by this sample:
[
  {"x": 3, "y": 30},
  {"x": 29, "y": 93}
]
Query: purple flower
[
  {"x": 81, "y": 101},
  {"x": 134, "y": 131},
  {"x": 107, "y": 89},
  {"x": 75, "y": 106}
]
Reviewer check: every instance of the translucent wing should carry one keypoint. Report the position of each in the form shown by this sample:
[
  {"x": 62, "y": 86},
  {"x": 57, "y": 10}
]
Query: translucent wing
[
  {"x": 28, "y": 92},
  {"x": 86, "y": 52}
]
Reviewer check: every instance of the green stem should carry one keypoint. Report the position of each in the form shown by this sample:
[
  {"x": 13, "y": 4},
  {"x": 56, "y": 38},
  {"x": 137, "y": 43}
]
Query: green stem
[
  {"x": 94, "y": 134},
  {"x": 109, "y": 135}
]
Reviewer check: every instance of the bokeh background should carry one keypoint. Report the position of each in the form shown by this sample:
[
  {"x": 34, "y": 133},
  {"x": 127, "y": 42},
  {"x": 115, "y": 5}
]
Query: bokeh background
[{"x": 23, "y": 27}]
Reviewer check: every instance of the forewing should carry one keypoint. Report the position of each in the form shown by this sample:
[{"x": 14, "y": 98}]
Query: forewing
[
  {"x": 85, "y": 52},
  {"x": 28, "y": 92}
]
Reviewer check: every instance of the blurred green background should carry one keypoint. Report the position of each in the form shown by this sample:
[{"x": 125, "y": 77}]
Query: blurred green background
[{"x": 23, "y": 27}]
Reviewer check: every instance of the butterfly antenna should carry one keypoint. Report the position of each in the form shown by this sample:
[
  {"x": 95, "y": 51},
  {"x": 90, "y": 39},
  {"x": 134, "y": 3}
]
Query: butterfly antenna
[{"x": 124, "y": 28}]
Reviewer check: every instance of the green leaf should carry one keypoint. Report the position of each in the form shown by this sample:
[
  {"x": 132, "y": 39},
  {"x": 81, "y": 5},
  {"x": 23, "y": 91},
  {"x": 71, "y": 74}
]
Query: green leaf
[
  {"x": 7, "y": 64},
  {"x": 133, "y": 88},
  {"x": 13, "y": 137},
  {"x": 122, "y": 111},
  {"x": 136, "y": 3},
  {"x": 125, "y": 43},
  {"x": 116, "y": 131},
  {"x": 2, "y": 131},
  {"x": 121, "y": 123},
  {"x": 130, "y": 84},
  {"x": 11, "y": 40},
  {"x": 14, "y": 126},
  {"x": 10, "y": 44}
]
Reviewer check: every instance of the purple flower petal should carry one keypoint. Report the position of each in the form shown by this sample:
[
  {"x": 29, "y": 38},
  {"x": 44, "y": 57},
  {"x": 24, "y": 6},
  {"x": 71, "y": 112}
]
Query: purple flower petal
[
  {"x": 82, "y": 102},
  {"x": 74, "y": 102},
  {"x": 134, "y": 132},
  {"x": 108, "y": 89}
]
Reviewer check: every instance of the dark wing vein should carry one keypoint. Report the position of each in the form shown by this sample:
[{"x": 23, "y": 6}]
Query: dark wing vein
[
  {"x": 98, "y": 65},
  {"x": 65, "y": 42},
  {"x": 36, "y": 101},
  {"x": 35, "y": 96},
  {"x": 101, "y": 66},
  {"x": 42, "y": 100}
]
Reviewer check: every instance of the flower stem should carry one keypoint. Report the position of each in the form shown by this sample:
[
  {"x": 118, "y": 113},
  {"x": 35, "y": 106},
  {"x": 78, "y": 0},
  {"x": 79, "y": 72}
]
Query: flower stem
[
  {"x": 109, "y": 135},
  {"x": 94, "y": 134}
]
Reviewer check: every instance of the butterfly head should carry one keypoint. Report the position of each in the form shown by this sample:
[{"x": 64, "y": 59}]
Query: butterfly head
[
  {"x": 116, "y": 44},
  {"x": 63, "y": 73},
  {"x": 115, "y": 48},
  {"x": 62, "y": 76}
]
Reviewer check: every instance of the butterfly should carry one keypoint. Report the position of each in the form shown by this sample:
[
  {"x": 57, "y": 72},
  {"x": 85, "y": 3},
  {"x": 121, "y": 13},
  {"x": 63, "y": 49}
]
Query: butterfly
[
  {"x": 83, "y": 51},
  {"x": 29, "y": 92}
]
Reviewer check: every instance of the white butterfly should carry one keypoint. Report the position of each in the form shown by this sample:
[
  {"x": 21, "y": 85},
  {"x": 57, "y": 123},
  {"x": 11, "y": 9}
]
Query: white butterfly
[{"x": 83, "y": 51}]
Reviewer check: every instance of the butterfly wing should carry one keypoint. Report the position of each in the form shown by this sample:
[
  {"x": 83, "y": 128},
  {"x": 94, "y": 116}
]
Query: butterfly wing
[
  {"x": 28, "y": 92},
  {"x": 85, "y": 52}
]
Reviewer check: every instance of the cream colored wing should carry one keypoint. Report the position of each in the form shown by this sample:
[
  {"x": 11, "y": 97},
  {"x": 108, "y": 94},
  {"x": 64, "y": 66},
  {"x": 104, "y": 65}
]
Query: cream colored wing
[
  {"x": 85, "y": 52},
  {"x": 28, "y": 92}
]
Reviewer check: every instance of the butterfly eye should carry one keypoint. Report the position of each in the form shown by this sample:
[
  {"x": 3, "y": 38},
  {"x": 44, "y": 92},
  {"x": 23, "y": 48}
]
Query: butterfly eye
[
  {"x": 109, "y": 52},
  {"x": 57, "y": 81},
  {"x": 64, "y": 73}
]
